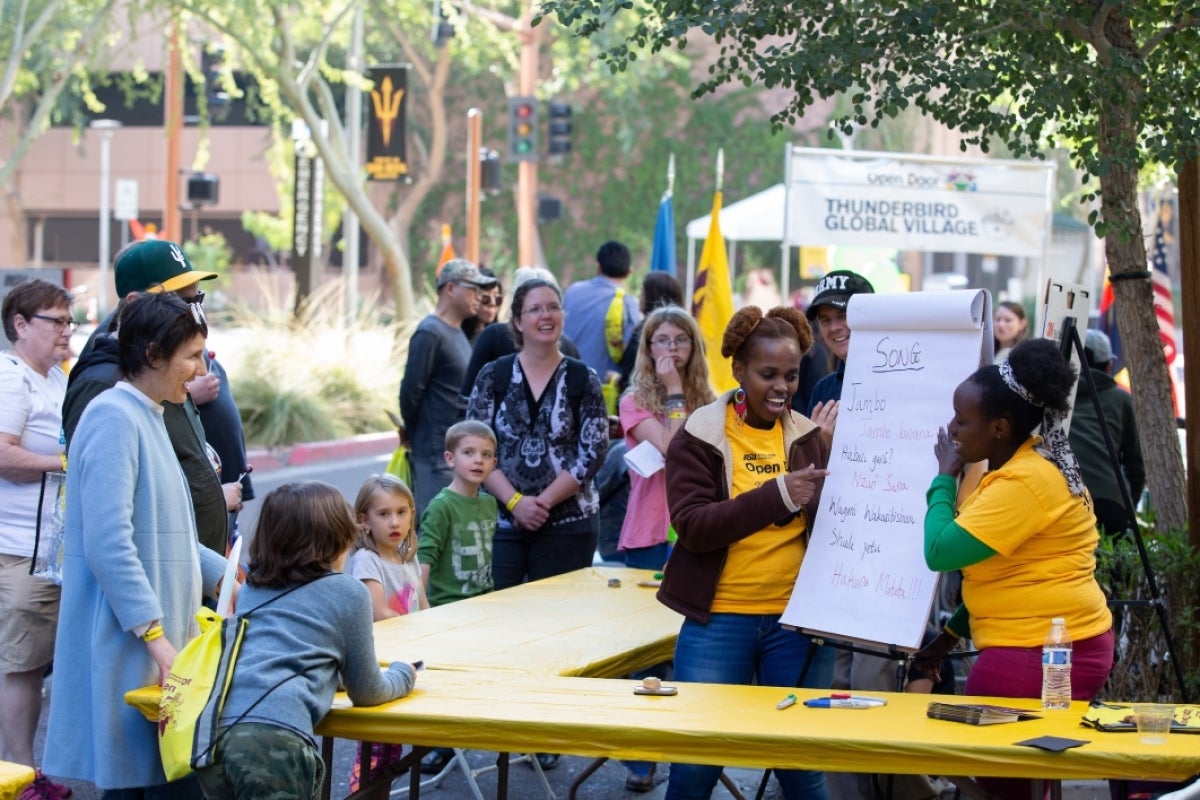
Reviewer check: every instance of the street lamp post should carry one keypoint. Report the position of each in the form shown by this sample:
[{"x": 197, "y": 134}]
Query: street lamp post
[{"x": 106, "y": 127}]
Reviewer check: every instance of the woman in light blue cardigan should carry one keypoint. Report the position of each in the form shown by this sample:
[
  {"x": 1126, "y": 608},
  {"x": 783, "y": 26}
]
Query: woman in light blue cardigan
[{"x": 133, "y": 571}]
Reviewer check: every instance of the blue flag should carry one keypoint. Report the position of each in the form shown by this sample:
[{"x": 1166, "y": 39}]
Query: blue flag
[{"x": 662, "y": 259}]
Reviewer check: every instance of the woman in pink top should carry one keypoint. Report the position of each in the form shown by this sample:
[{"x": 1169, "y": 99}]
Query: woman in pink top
[{"x": 669, "y": 380}]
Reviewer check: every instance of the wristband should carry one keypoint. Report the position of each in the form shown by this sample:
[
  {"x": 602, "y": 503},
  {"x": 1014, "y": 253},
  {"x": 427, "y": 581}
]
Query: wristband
[
  {"x": 677, "y": 396},
  {"x": 512, "y": 501},
  {"x": 62, "y": 457},
  {"x": 676, "y": 415},
  {"x": 152, "y": 633}
]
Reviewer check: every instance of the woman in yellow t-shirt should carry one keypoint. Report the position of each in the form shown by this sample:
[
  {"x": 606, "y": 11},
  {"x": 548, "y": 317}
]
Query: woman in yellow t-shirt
[
  {"x": 1025, "y": 538},
  {"x": 743, "y": 482}
]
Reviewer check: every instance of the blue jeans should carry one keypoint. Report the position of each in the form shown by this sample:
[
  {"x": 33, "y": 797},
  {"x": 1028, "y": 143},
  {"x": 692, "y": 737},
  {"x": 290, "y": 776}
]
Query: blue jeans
[
  {"x": 736, "y": 649},
  {"x": 652, "y": 557}
]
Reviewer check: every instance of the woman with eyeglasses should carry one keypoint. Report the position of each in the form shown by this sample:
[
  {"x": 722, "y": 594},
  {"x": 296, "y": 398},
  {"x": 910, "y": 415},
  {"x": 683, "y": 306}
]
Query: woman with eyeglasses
[
  {"x": 37, "y": 321},
  {"x": 669, "y": 382},
  {"x": 133, "y": 570},
  {"x": 496, "y": 341},
  {"x": 549, "y": 418}
]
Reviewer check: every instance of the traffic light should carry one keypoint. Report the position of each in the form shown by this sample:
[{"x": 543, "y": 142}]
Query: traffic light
[
  {"x": 522, "y": 129},
  {"x": 559, "y": 129},
  {"x": 489, "y": 172},
  {"x": 443, "y": 29},
  {"x": 215, "y": 67}
]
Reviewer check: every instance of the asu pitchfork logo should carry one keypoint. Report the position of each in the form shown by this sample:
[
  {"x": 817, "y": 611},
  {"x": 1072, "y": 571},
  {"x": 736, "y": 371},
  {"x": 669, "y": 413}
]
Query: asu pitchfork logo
[{"x": 386, "y": 100}]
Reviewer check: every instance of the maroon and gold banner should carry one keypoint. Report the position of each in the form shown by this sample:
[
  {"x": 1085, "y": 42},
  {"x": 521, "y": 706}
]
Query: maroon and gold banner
[{"x": 386, "y": 158}]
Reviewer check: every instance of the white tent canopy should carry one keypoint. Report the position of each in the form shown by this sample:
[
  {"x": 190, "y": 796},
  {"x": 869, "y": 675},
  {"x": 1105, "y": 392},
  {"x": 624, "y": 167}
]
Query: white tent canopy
[{"x": 757, "y": 218}]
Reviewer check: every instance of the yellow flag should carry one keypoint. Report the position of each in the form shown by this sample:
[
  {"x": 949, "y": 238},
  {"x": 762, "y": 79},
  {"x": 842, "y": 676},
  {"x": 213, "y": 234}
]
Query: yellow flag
[{"x": 712, "y": 300}]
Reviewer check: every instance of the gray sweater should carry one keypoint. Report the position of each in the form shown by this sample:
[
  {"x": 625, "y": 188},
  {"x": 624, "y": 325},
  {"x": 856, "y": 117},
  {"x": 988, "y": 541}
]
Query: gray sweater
[{"x": 316, "y": 633}]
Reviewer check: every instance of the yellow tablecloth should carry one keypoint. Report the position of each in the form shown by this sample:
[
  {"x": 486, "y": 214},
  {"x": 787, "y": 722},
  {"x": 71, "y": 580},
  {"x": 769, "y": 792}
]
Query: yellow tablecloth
[
  {"x": 572, "y": 624},
  {"x": 501, "y": 676},
  {"x": 13, "y": 778},
  {"x": 740, "y": 726}
]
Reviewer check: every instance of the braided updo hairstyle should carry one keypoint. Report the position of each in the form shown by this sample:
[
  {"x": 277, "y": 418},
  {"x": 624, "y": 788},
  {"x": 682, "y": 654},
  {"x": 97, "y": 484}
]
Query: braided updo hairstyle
[
  {"x": 749, "y": 326},
  {"x": 1038, "y": 365}
]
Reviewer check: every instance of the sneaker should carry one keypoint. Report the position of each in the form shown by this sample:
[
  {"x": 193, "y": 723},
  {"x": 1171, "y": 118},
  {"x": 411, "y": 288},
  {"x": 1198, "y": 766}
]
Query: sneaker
[
  {"x": 436, "y": 760},
  {"x": 43, "y": 788},
  {"x": 547, "y": 761}
]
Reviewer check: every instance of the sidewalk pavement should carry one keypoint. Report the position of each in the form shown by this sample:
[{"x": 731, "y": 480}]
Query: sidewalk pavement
[{"x": 268, "y": 459}]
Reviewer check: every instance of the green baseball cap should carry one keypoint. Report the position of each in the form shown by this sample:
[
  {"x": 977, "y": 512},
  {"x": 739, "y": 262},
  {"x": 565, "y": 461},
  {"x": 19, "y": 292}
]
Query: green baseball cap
[{"x": 156, "y": 265}]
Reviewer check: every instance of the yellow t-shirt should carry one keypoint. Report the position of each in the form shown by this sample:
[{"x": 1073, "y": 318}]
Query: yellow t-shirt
[
  {"x": 1045, "y": 563},
  {"x": 760, "y": 570}
]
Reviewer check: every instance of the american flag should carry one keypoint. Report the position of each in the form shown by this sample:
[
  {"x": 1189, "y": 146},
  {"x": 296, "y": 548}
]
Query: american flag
[{"x": 1164, "y": 305}]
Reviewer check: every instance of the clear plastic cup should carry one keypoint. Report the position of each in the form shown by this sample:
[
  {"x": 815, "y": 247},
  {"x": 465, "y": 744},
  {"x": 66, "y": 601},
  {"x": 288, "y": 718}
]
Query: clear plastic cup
[{"x": 1153, "y": 721}]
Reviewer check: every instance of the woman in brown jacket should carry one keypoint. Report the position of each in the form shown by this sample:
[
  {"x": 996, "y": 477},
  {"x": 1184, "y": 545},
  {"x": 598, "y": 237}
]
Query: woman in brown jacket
[{"x": 743, "y": 483}]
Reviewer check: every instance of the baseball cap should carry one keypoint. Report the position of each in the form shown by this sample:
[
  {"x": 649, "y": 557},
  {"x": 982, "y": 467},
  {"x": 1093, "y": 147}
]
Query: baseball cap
[
  {"x": 459, "y": 270},
  {"x": 156, "y": 265},
  {"x": 836, "y": 289},
  {"x": 1098, "y": 346}
]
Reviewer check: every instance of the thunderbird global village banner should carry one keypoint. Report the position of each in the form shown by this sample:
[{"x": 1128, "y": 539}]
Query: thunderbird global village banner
[
  {"x": 386, "y": 157},
  {"x": 918, "y": 202}
]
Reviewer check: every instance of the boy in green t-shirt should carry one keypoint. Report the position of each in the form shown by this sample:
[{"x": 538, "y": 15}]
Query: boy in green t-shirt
[{"x": 455, "y": 549}]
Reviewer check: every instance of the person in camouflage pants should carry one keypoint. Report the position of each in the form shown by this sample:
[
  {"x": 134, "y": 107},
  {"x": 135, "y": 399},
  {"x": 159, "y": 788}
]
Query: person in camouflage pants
[{"x": 296, "y": 769}]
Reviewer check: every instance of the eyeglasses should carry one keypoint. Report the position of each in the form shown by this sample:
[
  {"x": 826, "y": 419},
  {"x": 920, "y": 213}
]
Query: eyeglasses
[
  {"x": 553, "y": 309},
  {"x": 666, "y": 341},
  {"x": 489, "y": 300},
  {"x": 58, "y": 322},
  {"x": 472, "y": 287}
]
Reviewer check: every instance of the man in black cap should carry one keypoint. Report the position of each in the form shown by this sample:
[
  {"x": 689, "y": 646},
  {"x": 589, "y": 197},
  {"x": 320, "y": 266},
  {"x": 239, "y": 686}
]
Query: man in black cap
[
  {"x": 157, "y": 266},
  {"x": 438, "y": 353},
  {"x": 827, "y": 313}
]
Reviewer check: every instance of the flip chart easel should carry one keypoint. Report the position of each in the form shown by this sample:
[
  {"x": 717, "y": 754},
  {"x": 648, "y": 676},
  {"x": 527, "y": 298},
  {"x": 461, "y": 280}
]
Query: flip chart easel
[
  {"x": 864, "y": 577},
  {"x": 1066, "y": 307}
]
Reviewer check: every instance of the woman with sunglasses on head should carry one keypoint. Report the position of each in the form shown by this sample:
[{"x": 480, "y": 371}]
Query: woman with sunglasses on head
[
  {"x": 744, "y": 478},
  {"x": 490, "y": 301},
  {"x": 133, "y": 570},
  {"x": 37, "y": 320}
]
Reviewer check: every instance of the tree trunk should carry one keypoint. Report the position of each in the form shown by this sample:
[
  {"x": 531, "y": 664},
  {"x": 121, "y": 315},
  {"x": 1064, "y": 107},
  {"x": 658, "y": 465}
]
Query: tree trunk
[
  {"x": 1189, "y": 277},
  {"x": 400, "y": 223},
  {"x": 1125, "y": 249}
]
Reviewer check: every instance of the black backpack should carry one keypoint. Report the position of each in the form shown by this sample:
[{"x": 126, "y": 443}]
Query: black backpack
[{"x": 577, "y": 381}]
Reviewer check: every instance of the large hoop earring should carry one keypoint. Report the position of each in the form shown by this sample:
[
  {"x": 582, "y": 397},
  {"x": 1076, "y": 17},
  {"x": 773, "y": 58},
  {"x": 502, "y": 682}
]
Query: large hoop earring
[{"x": 739, "y": 404}]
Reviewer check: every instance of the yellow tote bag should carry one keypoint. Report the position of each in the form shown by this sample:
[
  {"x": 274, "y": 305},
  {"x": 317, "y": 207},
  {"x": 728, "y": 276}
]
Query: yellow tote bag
[{"x": 200, "y": 674}]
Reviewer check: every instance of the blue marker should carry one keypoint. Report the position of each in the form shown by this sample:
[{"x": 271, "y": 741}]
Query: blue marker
[{"x": 846, "y": 702}]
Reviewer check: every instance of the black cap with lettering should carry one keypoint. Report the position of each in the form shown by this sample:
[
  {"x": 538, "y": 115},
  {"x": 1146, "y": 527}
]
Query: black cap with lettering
[{"x": 836, "y": 289}]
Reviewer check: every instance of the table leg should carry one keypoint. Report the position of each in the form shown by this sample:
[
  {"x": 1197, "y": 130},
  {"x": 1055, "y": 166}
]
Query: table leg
[
  {"x": 502, "y": 776},
  {"x": 327, "y": 757},
  {"x": 583, "y": 776}
]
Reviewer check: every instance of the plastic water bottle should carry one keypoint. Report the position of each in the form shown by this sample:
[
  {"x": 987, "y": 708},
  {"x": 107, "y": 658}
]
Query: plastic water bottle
[{"x": 1056, "y": 666}]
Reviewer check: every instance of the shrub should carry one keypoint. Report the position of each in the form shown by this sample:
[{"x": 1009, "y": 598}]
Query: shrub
[
  {"x": 303, "y": 376},
  {"x": 1144, "y": 670}
]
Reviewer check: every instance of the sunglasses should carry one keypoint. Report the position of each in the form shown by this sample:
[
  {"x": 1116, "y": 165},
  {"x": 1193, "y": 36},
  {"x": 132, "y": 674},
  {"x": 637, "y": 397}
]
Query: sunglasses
[{"x": 489, "y": 300}]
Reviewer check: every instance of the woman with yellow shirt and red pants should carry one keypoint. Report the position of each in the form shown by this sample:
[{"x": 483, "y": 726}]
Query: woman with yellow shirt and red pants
[{"x": 1025, "y": 538}]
